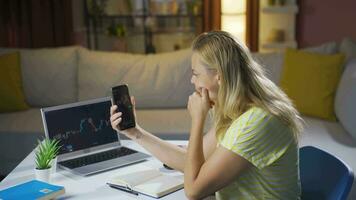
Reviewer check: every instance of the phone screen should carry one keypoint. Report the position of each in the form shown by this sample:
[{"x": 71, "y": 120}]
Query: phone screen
[{"x": 121, "y": 98}]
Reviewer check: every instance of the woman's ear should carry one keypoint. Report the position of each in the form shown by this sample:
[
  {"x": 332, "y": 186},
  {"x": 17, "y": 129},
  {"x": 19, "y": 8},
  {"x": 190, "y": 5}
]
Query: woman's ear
[{"x": 218, "y": 78}]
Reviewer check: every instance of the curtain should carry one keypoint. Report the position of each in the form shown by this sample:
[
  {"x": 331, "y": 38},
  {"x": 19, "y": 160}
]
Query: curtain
[
  {"x": 211, "y": 15},
  {"x": 35, "y": 23},
  {"x": 252, "y": 23}
]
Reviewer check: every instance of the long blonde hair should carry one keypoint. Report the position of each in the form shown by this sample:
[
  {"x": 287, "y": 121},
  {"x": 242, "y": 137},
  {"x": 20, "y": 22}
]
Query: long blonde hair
[{"x": 243, "y": 83}]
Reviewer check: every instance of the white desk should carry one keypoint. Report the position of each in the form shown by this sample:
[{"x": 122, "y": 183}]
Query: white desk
[{"x": 91, "y": 187}]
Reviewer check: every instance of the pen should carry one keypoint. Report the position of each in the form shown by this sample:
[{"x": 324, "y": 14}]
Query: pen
[{"x": 125, "y": 189}]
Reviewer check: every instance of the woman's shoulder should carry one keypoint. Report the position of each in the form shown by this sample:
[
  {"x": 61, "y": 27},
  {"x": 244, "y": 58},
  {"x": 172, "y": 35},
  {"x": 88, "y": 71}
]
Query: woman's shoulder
[
  {"x": 257, "y": 126},
  {"x": 252, "y": 114},
  {"x": 256, "y": 116},
  {"x": 256, "y": 111}
]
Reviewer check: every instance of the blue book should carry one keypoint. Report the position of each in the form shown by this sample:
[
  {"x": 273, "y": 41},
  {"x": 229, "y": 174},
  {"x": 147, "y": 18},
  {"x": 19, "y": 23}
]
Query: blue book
[{"x": 32, "y": 190}]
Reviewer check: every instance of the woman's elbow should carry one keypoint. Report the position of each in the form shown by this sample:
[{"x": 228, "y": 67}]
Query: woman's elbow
[{"x": 192, "y": 194}]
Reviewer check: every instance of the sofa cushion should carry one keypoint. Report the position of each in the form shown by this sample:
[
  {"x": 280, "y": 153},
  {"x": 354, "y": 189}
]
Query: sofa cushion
[
  {"x": 327, "y": 48},
  {"x": 345, "y": 100},
  {"x": 348, "y": 47},
  {"x": 167, "y": 121},
  {"x": 310, "y": 80},
  {"x": 28, "y": 121},
  {"x": 156, "y": 81},
  {"x": 12, "y": 97},
  {"x": 49, "y": 75},
  {"x": 8, "y": 50},
  {"x": 157, "y": 121},
  {"x": 272, "y": 64}
]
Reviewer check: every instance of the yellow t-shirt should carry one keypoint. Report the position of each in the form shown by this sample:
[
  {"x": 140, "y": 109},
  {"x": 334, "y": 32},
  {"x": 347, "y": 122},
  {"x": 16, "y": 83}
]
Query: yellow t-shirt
[{"x": 270, "y": 147}]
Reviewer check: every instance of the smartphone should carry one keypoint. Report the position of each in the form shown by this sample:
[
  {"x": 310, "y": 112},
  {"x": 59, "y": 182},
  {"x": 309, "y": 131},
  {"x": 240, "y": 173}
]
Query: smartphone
[{"x": 121, "y": 98}]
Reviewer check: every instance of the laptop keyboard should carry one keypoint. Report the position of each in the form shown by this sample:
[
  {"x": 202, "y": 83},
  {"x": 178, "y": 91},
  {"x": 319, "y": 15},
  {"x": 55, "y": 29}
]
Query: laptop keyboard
[{"x": 95, "y": 158}]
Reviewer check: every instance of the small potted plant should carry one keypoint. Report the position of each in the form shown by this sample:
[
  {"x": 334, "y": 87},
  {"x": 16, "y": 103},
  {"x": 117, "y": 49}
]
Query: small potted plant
[
  {"x": 117, "y": 34},
  {"x": 45, "y": 156}
]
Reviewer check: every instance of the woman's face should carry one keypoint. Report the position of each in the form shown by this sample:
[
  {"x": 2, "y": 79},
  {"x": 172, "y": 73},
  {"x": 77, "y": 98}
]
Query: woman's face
[{"x": 202, "y": 77}]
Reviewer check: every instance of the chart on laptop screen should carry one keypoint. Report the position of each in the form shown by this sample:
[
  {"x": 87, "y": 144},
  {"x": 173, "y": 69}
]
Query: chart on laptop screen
[{"x": 81, "y": 126}]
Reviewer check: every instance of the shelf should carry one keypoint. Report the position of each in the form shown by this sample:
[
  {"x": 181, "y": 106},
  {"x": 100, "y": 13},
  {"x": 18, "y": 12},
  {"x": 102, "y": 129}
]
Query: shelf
[
  {"x": 179, "y": 16},
  {"x": 279, "y": 45},
  {"x": 143, "y": 16},
  {"x": 288, "y": 9},
  {"x": 160, "y": 31},
  {"x": 151, "y": 23},
  {"x": 171, "y": 31}
]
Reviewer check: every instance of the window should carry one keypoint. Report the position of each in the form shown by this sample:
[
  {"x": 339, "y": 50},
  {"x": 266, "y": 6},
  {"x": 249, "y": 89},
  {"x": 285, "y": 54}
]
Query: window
[{"x": 233, "y": 18}]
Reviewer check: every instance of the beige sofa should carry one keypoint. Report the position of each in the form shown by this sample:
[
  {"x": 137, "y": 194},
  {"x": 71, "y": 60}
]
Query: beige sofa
[
  {"x": 161, "y": 85},
  {"x": 54, "y": 76}
]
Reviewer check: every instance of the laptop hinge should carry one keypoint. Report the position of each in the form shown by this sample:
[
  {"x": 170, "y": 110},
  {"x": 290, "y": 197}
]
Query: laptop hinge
[{"x": 84, "y": 152}]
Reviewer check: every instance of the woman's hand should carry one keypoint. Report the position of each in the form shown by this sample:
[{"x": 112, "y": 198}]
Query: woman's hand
[
  {"x": 116, "y": 118},
  {"x": 199, "y": 105}
]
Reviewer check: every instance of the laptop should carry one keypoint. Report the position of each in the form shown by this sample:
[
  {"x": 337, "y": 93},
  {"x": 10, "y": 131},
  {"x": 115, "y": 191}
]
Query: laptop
[{"x": 88, "y": 143}]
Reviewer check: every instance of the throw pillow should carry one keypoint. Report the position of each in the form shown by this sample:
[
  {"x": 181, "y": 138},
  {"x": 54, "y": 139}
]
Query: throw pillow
[
  {"x": 161, "y": 80},
  {"x": 326, "y": 48},
  {"x": 348, "y": 47},
  {"x": 272, "y": 64},
  {"x": 50, "y": 75},
  {"x": 12, "y": 97},
  {"x": 345, "y": 99},
  {"x": 310, "y": 80}
]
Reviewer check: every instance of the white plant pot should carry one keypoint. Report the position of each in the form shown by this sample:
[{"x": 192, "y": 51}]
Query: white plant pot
[
  {"x": 43, "y": 174},
  {"x": 54, "y": 165}
]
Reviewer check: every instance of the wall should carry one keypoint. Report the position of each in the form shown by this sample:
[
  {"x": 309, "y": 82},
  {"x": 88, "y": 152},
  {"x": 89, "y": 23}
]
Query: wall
[{"x": 320, "y": 21}]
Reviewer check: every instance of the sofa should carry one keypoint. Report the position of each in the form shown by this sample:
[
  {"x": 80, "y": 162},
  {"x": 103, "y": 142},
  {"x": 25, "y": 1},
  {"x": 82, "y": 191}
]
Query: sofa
[{"x": 161, "y": 86}]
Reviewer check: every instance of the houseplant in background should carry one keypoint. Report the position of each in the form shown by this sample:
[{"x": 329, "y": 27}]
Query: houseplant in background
[
  {"x": 117, "y": 33},
  {"x": 45, "y": 158}
]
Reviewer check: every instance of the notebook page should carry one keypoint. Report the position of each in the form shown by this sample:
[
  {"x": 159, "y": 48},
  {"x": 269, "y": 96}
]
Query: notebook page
[
  {"x": 135, "y": 178},
  {"x": 160, "y": 185}
]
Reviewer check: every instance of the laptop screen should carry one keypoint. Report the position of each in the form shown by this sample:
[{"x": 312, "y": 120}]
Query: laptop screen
[{"x": 81, "y": 127}]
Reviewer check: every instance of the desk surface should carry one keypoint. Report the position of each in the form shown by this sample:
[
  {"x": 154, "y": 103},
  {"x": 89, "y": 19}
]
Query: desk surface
[{"x": 91, "y": 187}]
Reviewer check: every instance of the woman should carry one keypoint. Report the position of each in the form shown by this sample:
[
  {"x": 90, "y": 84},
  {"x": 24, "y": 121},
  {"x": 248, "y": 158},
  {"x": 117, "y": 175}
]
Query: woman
[{"x": 251, "y": 152}]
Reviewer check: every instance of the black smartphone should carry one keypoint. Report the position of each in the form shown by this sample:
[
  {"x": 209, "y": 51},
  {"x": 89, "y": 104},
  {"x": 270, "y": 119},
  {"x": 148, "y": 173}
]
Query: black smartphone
[{"x": 121, "y": 98}]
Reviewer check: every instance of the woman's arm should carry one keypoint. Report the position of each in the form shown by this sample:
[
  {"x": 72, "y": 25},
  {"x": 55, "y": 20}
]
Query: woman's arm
[
  {"x": 218, "y": 171},
  {"x": 209, "y": 143},
  {"x": 169, "y": 153},
  {"x": 166, "y": 152},
  {"x": 205, "y": 175}
]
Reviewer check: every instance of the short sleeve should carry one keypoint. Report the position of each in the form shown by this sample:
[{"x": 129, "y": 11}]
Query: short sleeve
[{"x": 259, "y": 137}]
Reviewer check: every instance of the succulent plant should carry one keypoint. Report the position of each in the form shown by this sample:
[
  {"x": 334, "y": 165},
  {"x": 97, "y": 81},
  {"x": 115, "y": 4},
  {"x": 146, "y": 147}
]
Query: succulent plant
[{"x": 46, "y": 151}]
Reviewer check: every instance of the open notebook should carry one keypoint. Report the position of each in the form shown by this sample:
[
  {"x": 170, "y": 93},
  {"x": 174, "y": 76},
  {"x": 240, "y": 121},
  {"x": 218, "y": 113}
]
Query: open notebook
[{"x": 150, "y": 182}]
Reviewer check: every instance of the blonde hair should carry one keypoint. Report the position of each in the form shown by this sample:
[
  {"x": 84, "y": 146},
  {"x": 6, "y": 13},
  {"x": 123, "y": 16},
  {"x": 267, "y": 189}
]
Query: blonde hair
[{"x": 243, "y": 83}]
